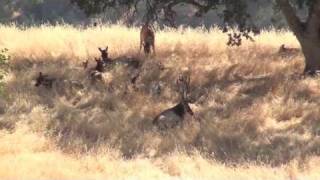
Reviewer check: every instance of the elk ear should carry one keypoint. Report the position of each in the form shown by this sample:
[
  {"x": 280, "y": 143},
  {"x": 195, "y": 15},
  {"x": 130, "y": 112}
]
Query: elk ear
[
  {"x": 107, "y": 48},
  {"x": 100, "y": 49}
]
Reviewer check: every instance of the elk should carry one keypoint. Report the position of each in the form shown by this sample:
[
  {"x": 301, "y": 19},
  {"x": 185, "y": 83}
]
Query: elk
[
  {"x": 44, "y": 80},
  {"x": 85, "y": 64},
  {"x": 96, "y": 73},
  {"x": 174, "y": 116},
  {"x": 100, "y": 65},
  {"x": 60, "y": 84},
  {"x": 147, "y": 39},
  {"x": 105, "y": 55},
  {"x": 122, "y": 60},
  {"x": 285, "y": 51}
]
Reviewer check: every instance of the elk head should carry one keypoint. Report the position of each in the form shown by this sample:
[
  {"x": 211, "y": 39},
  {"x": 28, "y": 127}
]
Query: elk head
[
  {"x": 183, "y": 83},
  {"x": 100, "y": 65},
  {"x": 104, "y": 54}
]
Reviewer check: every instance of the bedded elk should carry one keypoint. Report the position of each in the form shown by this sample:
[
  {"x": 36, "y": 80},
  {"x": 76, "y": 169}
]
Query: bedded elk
[
  {"x": 59, "y": 84},
  {"x": 122, "y": 60},
  {"x": 44, "y": 80},
  {"x": 147, "y": 39},
  {"x": 100, "y": 67},
  {"x": 288, "y": 52},
  {"x": 174, "y": 116},
  {"x": 105, "y": 55},
  {"x": 85, "y": 64},
  {"x": 96, "y": 73}
]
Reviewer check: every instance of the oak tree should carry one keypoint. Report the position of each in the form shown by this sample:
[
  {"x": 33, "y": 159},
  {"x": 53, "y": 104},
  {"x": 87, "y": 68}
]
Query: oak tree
[{"x": 233, "y": 13}]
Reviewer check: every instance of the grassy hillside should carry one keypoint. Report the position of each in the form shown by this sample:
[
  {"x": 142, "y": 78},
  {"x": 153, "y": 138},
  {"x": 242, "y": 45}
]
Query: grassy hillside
[{"x": 259, "y": 119}]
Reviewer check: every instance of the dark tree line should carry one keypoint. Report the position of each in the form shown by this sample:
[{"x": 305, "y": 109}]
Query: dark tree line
[{"x": 39, "y": 11}]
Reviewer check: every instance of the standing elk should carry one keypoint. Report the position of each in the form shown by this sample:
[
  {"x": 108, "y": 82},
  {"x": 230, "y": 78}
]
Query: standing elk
[
  {"x": 174, "y": 116},
  {"x": 147, "y": 39}
]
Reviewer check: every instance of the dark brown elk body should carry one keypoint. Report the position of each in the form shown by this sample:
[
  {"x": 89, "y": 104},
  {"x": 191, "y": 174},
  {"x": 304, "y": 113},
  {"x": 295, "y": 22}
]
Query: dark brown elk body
[
  {"x": 96, "y": 73},
  {"x": 174, "y": 116},
  {"x": 44, "y": 80},
  {"x": 147, "y": 39}
]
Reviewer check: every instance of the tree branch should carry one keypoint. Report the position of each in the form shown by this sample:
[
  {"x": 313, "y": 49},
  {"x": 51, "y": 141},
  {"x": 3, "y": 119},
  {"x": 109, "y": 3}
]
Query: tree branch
[
  {"x": 293, "y": 21},
  {"x": 203, "y": 8}
]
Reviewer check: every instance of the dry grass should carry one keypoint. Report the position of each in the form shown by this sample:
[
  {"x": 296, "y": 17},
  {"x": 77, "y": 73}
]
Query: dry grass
[{"x": 259, "y": 121}]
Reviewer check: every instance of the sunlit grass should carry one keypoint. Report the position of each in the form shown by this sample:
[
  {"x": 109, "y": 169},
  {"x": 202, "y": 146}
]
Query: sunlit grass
[{"x": 259, "y": 120}]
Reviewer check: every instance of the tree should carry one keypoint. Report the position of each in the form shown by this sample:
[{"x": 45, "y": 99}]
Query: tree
[
  {"x": 39, "y": 11},
  {"x": 307, "y": 32},
  {"x": 233, "y": 13}
]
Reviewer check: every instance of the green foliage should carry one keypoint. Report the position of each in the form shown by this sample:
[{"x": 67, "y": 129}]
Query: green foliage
[
  {"x": 4, "y": 66},
  {"x": 303, "y": 3},
  {"x": 30, "y": 12},
  {"x": 98, "y": 6},
  {"x": 37, "y": 1},
  {"x": 231, "y": 12}
]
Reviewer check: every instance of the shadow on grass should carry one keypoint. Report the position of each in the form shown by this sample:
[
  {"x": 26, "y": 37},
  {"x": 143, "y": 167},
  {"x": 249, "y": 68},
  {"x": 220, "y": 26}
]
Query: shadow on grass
[{"x": 231, "y": 104}]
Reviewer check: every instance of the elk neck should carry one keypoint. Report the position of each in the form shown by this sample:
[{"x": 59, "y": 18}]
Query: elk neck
[{"x": 182, "y": 108}]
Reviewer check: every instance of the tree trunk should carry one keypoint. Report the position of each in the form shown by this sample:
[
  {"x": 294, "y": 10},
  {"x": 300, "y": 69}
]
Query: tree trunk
[
  {"x": 307, "y": 33},
  {"x": 311, "y": 51},
  {"x": 310, "y": 39}
]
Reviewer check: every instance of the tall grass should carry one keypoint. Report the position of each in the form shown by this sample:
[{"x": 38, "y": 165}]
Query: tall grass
[
  {"x": 4, "y": 58},
  {"x": 259, "y": 120}
]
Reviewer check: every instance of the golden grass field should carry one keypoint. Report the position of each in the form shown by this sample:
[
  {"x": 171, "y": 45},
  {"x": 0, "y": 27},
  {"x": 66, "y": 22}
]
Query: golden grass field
[{"x": 259, "y": 119}]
